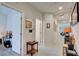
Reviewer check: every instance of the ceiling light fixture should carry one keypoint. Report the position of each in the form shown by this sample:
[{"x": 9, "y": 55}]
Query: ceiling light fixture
[{"x": 60, "y": 8}]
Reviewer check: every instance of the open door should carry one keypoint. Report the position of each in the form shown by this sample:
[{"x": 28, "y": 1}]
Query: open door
[{"x": 39, "y": 31}]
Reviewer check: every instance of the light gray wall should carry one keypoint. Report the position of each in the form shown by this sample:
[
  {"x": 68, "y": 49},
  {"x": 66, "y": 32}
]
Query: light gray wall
[
  {"x": 3, "y": 19},
  {"x": 9, "y": 22},
  {"x": 14, "y": 25},
  {"x": 48, "y": 37}
]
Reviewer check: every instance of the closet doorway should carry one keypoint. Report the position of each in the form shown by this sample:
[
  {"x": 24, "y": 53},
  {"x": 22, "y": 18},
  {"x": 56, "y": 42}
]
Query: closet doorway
[{"x": 38, "y": 34}]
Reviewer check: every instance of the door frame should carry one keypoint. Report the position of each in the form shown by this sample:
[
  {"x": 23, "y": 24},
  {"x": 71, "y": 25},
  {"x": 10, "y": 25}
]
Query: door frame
[
  {"x": 41, "y": 32},
  {"x": 21, "y": 24}
]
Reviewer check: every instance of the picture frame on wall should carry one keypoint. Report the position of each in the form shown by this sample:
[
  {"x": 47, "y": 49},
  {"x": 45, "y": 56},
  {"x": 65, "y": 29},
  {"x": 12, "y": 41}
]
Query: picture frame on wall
[
  {"x": 28, "y": 24},
  {"x": 74, "y": 15},
  {"x": 48, "y": 25}
]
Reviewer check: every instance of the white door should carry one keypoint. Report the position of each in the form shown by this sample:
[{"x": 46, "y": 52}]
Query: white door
[
  {"x": 38, "y": 31},
  {"x": 16, "y": 29}
]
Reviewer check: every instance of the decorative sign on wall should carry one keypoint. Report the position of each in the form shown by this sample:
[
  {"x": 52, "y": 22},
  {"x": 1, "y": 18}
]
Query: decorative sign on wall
[
  {"x": 28, "y": 24},
  {"x": 74, "y": 15},
  {"x": 48, "y": 25}
]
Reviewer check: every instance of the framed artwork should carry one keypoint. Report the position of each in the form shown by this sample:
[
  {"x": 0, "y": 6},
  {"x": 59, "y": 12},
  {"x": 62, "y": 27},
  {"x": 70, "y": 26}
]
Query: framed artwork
[
  {"x": 28, "y": 24},
  {"x": 74, "y": 15},
  {"x": 48, "y": 25}
]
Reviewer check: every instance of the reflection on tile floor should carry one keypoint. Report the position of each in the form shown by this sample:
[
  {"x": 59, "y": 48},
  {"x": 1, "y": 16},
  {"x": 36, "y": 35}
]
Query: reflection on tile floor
[
  {"x": 6, "y": 51},
  {"x": 44, "y": 51}
]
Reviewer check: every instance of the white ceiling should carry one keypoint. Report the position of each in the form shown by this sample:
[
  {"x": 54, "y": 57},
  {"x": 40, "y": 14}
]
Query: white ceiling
[
  {"x": 52, "y": 7},
  {"x": 49, "y": 7}
]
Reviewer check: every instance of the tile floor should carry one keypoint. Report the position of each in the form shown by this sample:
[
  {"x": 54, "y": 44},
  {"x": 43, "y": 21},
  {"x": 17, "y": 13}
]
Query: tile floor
[
  {"x": 6, "y": 51},
  {"x": 44, "y": 51}
]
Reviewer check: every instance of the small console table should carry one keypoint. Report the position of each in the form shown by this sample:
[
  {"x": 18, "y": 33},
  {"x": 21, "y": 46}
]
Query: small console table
[{"x": 33, "y": 50}]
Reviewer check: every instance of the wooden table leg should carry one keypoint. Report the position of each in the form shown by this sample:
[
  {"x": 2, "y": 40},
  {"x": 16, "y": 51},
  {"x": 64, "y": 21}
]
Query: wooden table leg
[
  {"x": 31, "y": 54},
  {"x": 27, "y": 48},
  {"x": 37, "y": 47},
  {"x": 31, "y": 50}
]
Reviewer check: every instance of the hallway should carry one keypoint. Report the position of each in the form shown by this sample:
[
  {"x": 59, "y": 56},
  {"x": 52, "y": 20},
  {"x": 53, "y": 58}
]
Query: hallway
[
  {"x": 37, "y": 22},
  {"x": 6, "y": 51}
]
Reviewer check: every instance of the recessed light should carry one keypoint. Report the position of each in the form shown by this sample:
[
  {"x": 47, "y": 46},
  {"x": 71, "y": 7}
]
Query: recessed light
[{"x": 60, "y": 8}]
